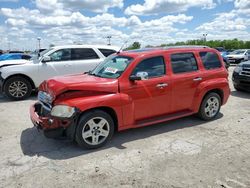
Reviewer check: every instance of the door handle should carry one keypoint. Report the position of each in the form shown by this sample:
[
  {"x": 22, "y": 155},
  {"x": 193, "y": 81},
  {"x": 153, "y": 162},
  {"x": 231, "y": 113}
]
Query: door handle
[
  {"x": 197, "y": 79},
  {"x": 161, "y": 85}
]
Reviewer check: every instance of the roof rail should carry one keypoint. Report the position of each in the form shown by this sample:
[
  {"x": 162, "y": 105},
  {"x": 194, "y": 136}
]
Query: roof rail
[{"x": 185, "y": 46}]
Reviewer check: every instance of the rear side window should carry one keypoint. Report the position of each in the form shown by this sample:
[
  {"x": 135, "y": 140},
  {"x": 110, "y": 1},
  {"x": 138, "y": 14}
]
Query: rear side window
[
  {"x": 183, "y": 62},
  {"x": 155, "y": 67},
  {"x": 210, "y": 60},
  {"x": 106, "y": 52},
  {"x": 83, "y": 54}
]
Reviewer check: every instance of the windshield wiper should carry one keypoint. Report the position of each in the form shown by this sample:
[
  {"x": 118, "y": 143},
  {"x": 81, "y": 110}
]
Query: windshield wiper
[{"x": 92, "y": 74}]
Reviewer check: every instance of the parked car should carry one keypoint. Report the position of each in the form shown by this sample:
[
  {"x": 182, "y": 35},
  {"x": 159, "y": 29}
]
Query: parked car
[
  {"x": 224, "y": 54},
  {"x": 241, "y": 76},
  {"x": 18, "y": 80},
  {"x": 15, "y": 51},
  {"x": 239, "y": 56},
  {"x": 14, "y": 56},
  {"x": 132, "y": 89}
]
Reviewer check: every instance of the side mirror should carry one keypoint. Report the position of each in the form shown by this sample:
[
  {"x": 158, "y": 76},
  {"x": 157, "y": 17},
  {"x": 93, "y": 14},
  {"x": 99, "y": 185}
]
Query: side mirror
[
  {"x": 46, "y": 59},
  {"x": 139, "y": 76}
]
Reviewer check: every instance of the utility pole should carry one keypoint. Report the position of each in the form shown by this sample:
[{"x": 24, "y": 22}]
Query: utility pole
[{"x": 109, "y": 39}]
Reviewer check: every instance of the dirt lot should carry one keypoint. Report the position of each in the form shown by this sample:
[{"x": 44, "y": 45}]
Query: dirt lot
[{"x": 182, "y": 153}]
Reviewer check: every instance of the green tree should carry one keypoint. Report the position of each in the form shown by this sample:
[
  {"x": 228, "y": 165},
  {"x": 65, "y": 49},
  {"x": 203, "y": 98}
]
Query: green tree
[{"x": 135, "y": 45}]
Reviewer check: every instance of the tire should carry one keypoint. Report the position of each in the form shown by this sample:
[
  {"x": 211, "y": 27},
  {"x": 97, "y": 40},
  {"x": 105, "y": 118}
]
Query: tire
[
  {"x": 210, "y": 106},
  {"x": 17, "y": 88},
  {"x": 237, "y": 88},
  {"x": 90, "y": 134}
]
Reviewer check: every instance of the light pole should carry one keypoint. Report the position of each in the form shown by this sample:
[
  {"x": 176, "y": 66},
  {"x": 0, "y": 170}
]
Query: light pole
[
  {"x": 39, "y": 43},
  {"x": 205, "y": 37},
  {"x": 109, "y": 39}
]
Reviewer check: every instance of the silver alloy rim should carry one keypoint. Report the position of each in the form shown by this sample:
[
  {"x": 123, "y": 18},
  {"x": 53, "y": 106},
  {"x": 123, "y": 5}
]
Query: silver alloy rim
[
  {"x": 212, "y": 106},
  {"x": 18, "y": 89},
  {"x": 95, "y": 131}
]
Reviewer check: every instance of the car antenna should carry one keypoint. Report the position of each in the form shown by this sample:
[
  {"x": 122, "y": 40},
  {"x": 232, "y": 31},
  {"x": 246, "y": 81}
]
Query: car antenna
[{"x": 122, "y": 47}]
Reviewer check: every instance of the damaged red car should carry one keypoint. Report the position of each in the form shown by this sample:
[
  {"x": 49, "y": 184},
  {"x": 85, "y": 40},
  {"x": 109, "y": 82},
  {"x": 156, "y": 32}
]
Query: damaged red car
[{"x": 132, "y": 89}]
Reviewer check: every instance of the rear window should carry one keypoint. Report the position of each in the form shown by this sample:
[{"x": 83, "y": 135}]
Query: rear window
[
  {"x": 83, "y": 53},
  {"x": 210, "y": 60},
  {"x": 106, "y": 52},
  {"x": 183, "y": 62}
]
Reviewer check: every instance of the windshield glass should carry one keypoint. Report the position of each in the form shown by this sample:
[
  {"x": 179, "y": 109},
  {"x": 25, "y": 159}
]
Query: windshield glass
[
  {"x": 35, "y": 55},
  {"x": 112, "y": 67},
  {"x": 238, "y": 52}
]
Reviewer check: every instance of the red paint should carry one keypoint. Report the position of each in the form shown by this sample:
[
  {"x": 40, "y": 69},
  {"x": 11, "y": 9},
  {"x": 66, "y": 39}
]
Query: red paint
[{"x": 140, "y": 103}]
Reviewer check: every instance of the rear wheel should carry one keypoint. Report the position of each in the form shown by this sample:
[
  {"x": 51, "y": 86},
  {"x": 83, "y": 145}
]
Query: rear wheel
[
  {"x": 94, "y": 129},
  {"x": 17, "y": 88},
  {"x": 210, "y": 106}
]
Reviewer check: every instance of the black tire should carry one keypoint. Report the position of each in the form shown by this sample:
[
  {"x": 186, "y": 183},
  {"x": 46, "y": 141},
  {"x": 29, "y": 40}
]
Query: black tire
[
  {"x": 203, "y": 114},
  {"x": 237, "y": 88},
  {"x": 84, "y": 126},
  {"x": 24, "y": 84}
]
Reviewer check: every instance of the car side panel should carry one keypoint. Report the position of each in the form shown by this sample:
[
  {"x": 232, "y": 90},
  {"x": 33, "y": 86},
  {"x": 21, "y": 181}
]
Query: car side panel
[
  {"x": 206, "y": 86},
  {"x": 112, "y": 101}
]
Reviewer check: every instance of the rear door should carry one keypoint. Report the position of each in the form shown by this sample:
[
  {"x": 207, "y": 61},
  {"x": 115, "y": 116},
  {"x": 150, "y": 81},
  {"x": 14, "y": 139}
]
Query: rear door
[
  {"x": 84, "y": 59},
  {"x": 185, "y": 79}
]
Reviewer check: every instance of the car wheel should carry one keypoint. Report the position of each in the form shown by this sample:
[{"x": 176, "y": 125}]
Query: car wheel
[
  {"x": 17, "y": 88},
  {"x": 94, "y": 129},
  {"x": 210, "y": 106}
]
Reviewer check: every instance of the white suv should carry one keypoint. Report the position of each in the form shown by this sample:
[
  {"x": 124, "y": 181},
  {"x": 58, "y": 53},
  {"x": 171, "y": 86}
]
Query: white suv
[{"x": 18, "y": 80}]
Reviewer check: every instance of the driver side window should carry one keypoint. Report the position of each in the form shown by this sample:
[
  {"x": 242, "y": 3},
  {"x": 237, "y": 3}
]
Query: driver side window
[
  {"x": 61, "y": 55},
  {"x": 155, "y": 67}
]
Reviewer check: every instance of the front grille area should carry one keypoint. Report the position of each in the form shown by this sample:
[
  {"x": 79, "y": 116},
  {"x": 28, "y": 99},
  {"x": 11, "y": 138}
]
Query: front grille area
[
  {"x": 41, "y": 110},
  {"x": 45, "y": 99},
  {"x": 245, "y": 71}
]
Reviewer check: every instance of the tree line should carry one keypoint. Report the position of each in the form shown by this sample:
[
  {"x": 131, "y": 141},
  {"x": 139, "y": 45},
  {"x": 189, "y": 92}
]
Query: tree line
[{"x": 227, "y": 44}]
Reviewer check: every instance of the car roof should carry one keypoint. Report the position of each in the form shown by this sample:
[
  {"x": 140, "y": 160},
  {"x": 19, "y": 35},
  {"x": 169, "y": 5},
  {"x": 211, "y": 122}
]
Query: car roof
[
  {"x": 152, "y": 51},
  {"x": 87, "y": 46}
]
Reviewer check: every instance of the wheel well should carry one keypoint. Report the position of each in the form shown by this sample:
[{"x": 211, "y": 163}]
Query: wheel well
[
  {"x": 24, "y": 76},
  {"x": 108, "y": 110},
  {"x": 218, "y": 91}
]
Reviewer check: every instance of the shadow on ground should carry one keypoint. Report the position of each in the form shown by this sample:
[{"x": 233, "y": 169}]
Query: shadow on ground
[
  {"x": 241, "y": 94},
  {"x": 4, "y": 99},
  {"x": 34, "y": 143}
]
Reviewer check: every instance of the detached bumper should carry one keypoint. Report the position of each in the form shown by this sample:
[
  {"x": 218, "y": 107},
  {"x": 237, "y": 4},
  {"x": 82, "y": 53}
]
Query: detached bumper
[{"x": 52, "y": 127}]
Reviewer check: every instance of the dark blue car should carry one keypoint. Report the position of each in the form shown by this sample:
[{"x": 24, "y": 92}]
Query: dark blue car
[{"x": 14, "y": 56}]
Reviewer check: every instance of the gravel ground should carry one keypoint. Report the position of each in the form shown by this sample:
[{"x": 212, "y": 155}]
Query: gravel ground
[{"x": 181, "y": 153}]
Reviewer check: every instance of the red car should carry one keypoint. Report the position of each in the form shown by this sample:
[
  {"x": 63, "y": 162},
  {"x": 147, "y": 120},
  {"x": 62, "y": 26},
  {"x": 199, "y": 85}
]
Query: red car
[{"x": 132, "y": 89}]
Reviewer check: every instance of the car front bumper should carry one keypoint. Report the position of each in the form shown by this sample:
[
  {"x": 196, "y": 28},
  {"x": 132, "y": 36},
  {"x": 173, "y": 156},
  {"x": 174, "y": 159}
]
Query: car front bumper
[
  {"x": 241, "y": 81},
  {"x": 1, "y": 83},
  {"x": 52, "y": 127}
]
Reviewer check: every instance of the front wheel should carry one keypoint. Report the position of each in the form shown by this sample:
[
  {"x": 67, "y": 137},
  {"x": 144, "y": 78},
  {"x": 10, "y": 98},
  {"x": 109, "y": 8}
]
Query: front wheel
[
  {"x": 94, "y": 129},
  {"x": 210, "y": 106},
  {"x": 17, "y": 88}
]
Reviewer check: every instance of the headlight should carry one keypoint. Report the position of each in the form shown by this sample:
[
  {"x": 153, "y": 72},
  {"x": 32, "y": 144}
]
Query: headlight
[
  {"x": 238, "y": 68},
  {"x": 62, "y": 111}
]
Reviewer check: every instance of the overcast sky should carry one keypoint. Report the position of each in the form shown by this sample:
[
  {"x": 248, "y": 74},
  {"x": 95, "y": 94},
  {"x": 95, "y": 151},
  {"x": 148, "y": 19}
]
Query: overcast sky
[{"x": 150, "y": 22}]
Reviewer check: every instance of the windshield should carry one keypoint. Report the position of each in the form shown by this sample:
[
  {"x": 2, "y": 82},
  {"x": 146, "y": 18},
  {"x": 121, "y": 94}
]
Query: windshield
[
  {"x": 112, "y": 67},
  {"x": 35, "y": 54},
  {"x": 238, "y": 52}
]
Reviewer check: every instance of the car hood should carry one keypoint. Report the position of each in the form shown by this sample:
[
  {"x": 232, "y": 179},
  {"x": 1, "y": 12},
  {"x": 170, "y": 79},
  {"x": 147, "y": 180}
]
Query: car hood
[
  {"x": 13, "y": 62},
  {"x": 79, "y": 82},
  {"x": 236, "y": 55},
  {"x": 245, "y": 64}
]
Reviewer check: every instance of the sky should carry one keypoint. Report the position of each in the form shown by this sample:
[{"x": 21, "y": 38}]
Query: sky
[{"x": 150, "y": 22}]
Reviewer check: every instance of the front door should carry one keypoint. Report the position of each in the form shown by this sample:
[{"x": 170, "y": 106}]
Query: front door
[
  {"x": 150, "y": 97},
  {"x": 60, "y": 64}
]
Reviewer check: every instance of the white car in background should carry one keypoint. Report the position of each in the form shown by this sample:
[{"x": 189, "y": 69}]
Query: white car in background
[
  {"x": 17, "y": 80},
  {"x": 237, "y": 56}
]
